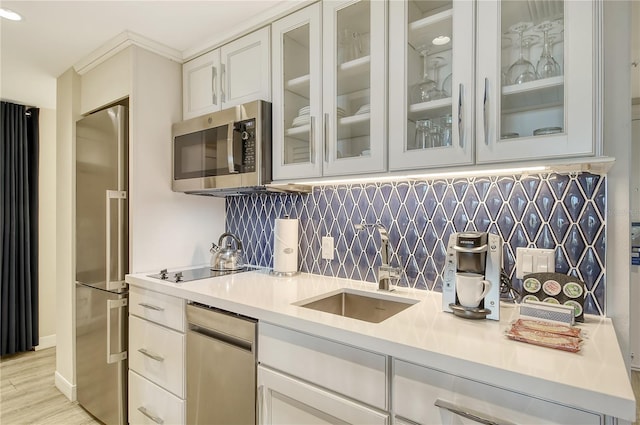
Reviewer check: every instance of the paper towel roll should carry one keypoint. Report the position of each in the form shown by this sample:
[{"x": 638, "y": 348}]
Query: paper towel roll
[{"x": 285, "y": 245}]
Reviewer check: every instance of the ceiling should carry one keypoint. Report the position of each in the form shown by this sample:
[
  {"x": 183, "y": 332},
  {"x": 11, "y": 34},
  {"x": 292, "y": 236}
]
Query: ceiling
[{"x": 55, "y": 35}]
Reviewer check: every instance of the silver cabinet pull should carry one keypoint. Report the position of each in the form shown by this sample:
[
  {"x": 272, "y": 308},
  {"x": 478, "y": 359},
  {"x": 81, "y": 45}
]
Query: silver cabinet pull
[
  {"x": 460, "y": 117},
  {"x": 223, "y": 77},
  {"x": 470, "y": 414},
  {"x": 112, "y": 304},
  {"x": 119, "y": 195},
  {"x": 327, "y": 128},
  {"x": 151, "y": 355},
  {"x": 214, "y": 75},
  {"x": 150, "y": 415},
  {"x": 312, "y": 140},
  {"x": 151, "y": 307},
  {"x": 485, "y": 116}
]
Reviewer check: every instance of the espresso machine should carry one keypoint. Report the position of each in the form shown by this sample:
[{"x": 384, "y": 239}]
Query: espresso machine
[{"x": 479, "y": 253}]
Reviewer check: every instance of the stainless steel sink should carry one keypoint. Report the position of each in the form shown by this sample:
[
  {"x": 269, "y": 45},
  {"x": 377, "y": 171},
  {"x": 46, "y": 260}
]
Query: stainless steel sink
[{"x": 370, "y": 307}]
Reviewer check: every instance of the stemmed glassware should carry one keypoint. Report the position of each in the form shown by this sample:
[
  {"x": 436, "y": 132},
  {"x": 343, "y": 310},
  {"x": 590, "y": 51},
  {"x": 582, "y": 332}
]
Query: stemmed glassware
[
  {"x": 521, "y": 71},
  {"x": 427, "y": 88},
  {"x": 547, "y": 65}
]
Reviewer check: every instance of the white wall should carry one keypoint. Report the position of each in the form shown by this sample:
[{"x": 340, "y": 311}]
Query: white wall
[
  {"x": 47, "y": 229},
  {"x": 617, "y": 143},
  {"x": 67, "y": 112},
  {"x": 635, "y": 217},
  {"x": 167, "y": 229}
]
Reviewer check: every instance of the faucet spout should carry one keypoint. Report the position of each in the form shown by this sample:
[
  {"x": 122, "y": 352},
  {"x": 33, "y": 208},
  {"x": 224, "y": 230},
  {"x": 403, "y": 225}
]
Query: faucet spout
[{"x": 385, "y": 272}]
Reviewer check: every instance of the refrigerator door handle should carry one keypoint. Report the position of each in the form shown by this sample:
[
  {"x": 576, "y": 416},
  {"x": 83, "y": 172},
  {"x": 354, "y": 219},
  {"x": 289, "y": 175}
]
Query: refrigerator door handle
[
  {"x": 119, "y": 283},
  {"x": 114, "y": 357}
]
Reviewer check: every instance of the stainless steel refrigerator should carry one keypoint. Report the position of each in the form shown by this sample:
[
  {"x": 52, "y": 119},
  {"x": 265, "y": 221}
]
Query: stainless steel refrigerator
[{"x": 101, "y": 263}]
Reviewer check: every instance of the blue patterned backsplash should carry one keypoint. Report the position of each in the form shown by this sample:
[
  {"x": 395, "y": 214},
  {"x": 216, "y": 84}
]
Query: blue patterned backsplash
[{"x": 561, "y": 212}]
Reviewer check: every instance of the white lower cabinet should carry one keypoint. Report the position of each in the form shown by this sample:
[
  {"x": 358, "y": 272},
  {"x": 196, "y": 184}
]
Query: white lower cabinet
[
  {"x": 426, "y": 396},
  {"x": 305, "y": 379},
  {"x": 156, "y": 358},
  {"x": 151, "y": 404},
  {"x": 286, "y": 400}
]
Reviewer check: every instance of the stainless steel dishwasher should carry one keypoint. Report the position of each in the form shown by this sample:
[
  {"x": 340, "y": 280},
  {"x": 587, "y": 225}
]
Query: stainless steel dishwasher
[{"x": 221, "y": 367}]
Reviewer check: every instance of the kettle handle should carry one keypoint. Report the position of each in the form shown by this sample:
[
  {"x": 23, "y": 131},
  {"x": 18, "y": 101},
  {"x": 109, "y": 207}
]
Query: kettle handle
[{"x": 234, "y": 237}]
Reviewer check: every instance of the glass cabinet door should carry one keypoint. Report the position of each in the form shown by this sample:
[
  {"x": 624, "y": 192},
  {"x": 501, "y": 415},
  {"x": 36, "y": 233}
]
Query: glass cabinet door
[
  {"x": 431, "y": 83},
  {"x": 535, "y": 82},
  {"x": 354, "y": 95},
  {"x": 297, "y": 85}
]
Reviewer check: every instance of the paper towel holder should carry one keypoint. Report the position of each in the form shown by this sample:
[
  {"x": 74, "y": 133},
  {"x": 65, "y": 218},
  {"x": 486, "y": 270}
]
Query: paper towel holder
[{"x": 287, "y": 251}]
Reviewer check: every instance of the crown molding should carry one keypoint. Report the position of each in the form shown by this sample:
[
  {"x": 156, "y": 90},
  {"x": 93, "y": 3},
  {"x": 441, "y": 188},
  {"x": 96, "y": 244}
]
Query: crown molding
[{"x": 121, "y": 42}]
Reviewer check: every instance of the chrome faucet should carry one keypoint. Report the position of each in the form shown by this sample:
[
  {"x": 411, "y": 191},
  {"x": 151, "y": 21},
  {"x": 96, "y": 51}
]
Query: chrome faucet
[{"x": 386, "y": 273}]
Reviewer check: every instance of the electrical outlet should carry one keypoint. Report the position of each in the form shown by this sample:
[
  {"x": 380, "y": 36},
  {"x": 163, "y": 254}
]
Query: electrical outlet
[
  {"x": 327, "y": 248},
  {"x": 534, "y": 260}
]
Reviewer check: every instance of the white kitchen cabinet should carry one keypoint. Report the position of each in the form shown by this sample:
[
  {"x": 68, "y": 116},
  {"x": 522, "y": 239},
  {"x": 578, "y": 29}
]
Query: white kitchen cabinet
[
  {"x": 297, "y": 94},
  {"x": 491, "y": 114},
  {"x": 286, "y": 400},
  {"x": 335, "y": 383},
  {"x": 427, "y": 396},
  {"x": 201, "y": 85},
  {"x": 237, "y": 72},
  {"x": 335, "y": 65},
  {"x": 431, "y": 85},
  {"x": 508, "y": 114},
  {"x": 156, "y": 357}
]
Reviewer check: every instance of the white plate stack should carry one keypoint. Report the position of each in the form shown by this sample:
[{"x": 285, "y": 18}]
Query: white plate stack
[{"x": 364, "y": 109}]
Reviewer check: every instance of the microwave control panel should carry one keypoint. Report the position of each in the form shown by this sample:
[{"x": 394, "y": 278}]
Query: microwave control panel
[{"x": 246, "y": 132}]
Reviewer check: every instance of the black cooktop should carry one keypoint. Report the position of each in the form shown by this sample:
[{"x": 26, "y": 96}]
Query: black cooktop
[{"x": 195, "y": 274}]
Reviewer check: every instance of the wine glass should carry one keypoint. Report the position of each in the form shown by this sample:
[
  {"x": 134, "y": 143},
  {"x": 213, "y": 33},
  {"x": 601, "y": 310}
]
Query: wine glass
[
  {"x": 521, "y": 71},
  {"x": 447, "y": 89},
  {"x": 437, "y": 62},
  {"x": 424, "y": 89},
  {"x": 547, "y": 66}
]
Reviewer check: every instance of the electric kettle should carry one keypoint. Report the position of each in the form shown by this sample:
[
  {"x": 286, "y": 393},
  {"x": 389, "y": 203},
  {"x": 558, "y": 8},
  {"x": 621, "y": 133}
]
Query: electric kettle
[{"x": 225, "y": 257}]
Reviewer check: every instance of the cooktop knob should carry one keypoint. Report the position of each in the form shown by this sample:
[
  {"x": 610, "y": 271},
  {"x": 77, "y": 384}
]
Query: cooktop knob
[
  {"x": 178, "y": 276},
  {"x": 163, "y": 274}
]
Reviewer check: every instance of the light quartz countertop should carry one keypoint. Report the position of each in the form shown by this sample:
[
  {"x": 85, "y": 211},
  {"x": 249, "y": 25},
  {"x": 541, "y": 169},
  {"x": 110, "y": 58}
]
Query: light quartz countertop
[{"x": 594, "y": 379}]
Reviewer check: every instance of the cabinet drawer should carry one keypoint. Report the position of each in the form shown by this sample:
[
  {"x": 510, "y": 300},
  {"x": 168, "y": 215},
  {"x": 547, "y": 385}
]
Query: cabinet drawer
[
  {"x": 163, "y": 309},
  {"x": 285, "y": 400},
  {"x": 416, "y": 389},
  {"x": 325, "y": 363},
  {"x": 157, "y": 353},
  {"x": 147, "y": 401}
]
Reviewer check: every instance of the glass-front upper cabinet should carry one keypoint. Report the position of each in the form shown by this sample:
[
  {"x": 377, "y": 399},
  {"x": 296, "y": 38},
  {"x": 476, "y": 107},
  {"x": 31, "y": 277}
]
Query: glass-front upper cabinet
[
  {"x": 354, "y": 91},
  {"x": 430, "y": 83},
  {"x": 297, "y": 94},
  {"x": 535, "y": 91}
]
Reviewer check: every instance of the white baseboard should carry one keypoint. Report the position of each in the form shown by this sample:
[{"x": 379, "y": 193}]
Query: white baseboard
[
  {"x": 46, "y": 342},
  {"x": 65, "y": 387}
]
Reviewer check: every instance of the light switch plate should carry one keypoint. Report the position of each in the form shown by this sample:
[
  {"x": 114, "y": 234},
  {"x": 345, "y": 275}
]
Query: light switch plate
[
  {"x": 534, "y": 260},
  {"x": 327, "y": 248}
]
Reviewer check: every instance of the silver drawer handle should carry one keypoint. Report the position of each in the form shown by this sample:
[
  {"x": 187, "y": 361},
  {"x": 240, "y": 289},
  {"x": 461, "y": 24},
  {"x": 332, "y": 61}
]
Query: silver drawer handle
[
  {"x": 151, "y": 355},
  {"x": 151, "y": 416},
  {"x": 470, "y": 414},
  {"x": 151, "y": 307}
]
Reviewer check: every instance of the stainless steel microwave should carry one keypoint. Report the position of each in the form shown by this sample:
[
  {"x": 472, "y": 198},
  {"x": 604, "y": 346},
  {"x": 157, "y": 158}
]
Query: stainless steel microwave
[{"x": 223, "y": 153}]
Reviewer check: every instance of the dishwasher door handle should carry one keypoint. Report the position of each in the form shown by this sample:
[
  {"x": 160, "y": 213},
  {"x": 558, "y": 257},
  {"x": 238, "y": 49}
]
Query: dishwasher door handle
[{"x": 220, "y": 336}]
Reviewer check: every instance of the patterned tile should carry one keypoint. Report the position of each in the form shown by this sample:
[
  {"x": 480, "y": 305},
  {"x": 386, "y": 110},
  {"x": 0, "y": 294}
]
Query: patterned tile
[{"x": 561, "y": 212}]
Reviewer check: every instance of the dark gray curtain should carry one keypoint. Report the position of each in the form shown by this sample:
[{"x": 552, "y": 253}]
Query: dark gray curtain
[{"x": 19, "y": 235}]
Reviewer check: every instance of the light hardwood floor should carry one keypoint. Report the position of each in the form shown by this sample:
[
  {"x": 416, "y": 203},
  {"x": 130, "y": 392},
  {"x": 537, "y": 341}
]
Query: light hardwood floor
[{"x": 28, "y": 394}]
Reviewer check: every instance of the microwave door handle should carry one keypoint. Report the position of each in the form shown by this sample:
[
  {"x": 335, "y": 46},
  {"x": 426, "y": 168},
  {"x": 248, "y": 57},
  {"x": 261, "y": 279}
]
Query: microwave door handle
[{"x": 230, "y": 158}]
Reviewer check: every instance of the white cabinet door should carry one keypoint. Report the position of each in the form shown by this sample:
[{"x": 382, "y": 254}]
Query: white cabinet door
[
  {"x": 297, "y": 94},
  {"x": 526, "y": 111},
  {"x": 245, "y": 65},
  {"x": 427, "y": 396},
  {"x": 354, "y": 86},
  {"x": 285, "y": 400},
  {"x": 201, "y": 85},
  {"x": 150, "y": 404},
  {"x": 431, "y": 84}
]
